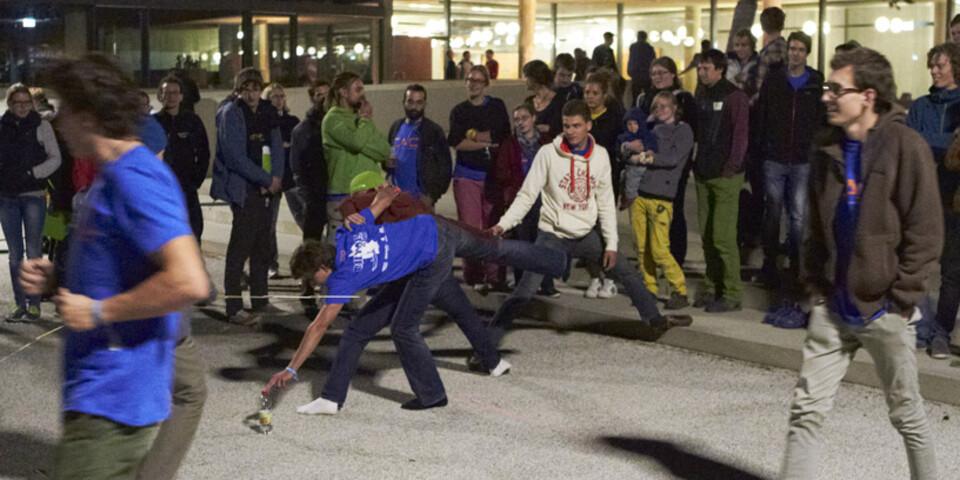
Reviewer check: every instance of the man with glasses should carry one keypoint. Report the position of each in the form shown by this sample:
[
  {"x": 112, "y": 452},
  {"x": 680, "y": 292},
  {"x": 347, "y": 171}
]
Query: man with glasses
[
  {"x": 188, "y": 150},
  {"x": 247, "y": 178},
  {"x": 868, "y": 254}
]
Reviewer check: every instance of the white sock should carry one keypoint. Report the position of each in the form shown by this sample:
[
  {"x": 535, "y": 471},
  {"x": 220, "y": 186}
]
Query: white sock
[
  {"x": 320, "y": 406},
  {"x": 502, "y": 368}
]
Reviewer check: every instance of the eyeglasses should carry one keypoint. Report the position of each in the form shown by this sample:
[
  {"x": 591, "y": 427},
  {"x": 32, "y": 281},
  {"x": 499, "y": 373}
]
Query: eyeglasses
[
  {"x": 25, "y": 103},
  {"x": 837, "y": 90},
  {"x": 659, "y": 73}
]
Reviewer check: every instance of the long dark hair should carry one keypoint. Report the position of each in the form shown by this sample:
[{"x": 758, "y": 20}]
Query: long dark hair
[{"x": 671, "y": 66}]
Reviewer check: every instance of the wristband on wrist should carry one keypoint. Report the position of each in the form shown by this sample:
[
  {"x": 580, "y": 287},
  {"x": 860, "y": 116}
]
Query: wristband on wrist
[
  {"x": 97, "y": 312},
  {"x": 293, "y": 373}
]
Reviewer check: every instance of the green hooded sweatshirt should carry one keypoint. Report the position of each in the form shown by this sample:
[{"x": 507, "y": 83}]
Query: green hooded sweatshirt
[{"x": 351, "y": 145}]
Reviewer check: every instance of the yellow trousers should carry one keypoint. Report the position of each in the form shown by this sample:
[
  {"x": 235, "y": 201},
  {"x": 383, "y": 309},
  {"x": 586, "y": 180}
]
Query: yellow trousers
[{"x": 651, "y": 224}]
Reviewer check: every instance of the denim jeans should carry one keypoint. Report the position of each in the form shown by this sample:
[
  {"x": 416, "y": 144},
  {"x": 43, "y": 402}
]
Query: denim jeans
[
  {"x": 785, "y": 187},
  {"x": 590, "y": 248},
  {"x": 949, "y": 300},
  {"x": 527, "y": 232},
  {"x": 401, "y": 305},
  {"x": 22, "y": 219}
]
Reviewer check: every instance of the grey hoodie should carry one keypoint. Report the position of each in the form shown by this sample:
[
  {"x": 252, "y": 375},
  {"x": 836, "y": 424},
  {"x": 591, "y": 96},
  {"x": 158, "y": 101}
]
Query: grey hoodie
[{"x": 675, "y": 144}]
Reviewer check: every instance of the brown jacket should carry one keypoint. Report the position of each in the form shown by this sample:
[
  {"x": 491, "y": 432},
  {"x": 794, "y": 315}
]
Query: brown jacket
[{"x": 900, "y": 228}]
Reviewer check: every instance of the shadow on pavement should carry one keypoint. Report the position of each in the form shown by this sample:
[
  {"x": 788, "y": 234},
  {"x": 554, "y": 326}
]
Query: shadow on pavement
[
  {"x": 23, "y": 455},
  {"x": 680, "y": 462}
]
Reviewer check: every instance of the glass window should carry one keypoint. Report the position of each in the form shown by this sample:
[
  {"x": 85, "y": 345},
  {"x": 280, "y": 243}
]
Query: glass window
[
  {"x": 29, "y": 37},
  {"x": 667, "y": 32},
  {"x": 329, "y": 45},
  {"x": 271, "y": 48},
  {"x": 494, "y": 24},
  {"x": 207, "y": 45},
  {"x": 419, "y": 40},
  {"x": 582, "y": 26},
  {"x": 118, "y": 33}
]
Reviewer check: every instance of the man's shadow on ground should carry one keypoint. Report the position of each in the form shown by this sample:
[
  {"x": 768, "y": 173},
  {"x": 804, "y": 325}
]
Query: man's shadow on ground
[
  {"x": 24, "y": 456},
  {"x": 680, "y": 462},
  {"x": 372, "y": 364}
]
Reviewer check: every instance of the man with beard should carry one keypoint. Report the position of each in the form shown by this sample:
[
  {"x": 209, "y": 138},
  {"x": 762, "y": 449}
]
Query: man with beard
[
  {"x": 420, "y": 163},
  {"x": 351, "y": 143}
]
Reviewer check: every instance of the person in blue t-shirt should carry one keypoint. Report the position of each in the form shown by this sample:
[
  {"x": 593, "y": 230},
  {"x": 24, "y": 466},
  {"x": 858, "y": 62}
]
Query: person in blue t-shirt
[
  {"x": 419, "y": 253},
  {"x": 133, "y": 265}
]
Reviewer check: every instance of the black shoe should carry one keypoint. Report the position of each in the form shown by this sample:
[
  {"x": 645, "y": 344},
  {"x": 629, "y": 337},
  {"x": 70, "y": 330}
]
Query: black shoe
[
  {"x": 723, "y": 305},
  {"x": 416, "y": 405},
  {"x": 940, "y": 348},
  {"x": 702, "y": 299},
  {"x": 676, "y": 302},
  {"x": 551, "y": 292},
  {"x": 678, "y": 320},
  {"x": 474, "y": 364}
]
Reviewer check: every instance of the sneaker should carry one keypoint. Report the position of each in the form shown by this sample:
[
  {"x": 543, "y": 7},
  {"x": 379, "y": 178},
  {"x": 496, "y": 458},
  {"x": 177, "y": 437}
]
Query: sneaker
[
  {"x": 594, "y": 289},
  {"x": 273, "y": 274},
  {"x": 940, "y": 348},
  {"x": 18, "y": 314},
  {"x": 723, "y": 305},
  {"x": 678, "y": 320},
  {"x": 501, "y": 369},
  {"x": 33, "y": 312},
  {"x": 787, "y": 315},
  {"x": 676, "y": 302},
  {"x": 608, "y": 290},
  {"x": 551, "y": 292},
  {"x": 245, "y": 318},
  {"x": 702, "y": 299}
]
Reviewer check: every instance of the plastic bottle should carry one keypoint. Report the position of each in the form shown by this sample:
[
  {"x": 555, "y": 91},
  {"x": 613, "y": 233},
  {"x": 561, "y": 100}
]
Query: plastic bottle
[
  {"x": 265, "y": 414},
  {"x": 266, "y": 159}
]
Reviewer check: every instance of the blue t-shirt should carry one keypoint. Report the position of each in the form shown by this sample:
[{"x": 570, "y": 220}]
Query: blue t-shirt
[
  {"x": 123, "y": 372},
  {"x": 845, "y": 232},
  {"x": 153, "y": 135},
  {"x": 372, "y": 254},
  {"x": 798, "y": 82},
  {"x": 405, "y": 147}
]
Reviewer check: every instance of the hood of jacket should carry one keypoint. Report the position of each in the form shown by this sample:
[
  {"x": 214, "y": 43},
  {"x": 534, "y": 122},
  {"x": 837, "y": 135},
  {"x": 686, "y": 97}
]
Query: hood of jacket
[
  {"x": 941, "y": 96},
  {"x": 636, "y": 114},
  {"x": 563, "y": 149}
]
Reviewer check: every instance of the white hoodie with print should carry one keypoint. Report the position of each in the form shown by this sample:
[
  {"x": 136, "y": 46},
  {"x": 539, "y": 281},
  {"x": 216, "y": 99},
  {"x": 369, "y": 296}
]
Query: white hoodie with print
[{"x": 571, "y": 204}]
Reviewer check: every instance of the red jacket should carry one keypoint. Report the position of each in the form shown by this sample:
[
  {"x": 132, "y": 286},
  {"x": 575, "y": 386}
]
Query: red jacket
[{"x": 508, "y": 171}]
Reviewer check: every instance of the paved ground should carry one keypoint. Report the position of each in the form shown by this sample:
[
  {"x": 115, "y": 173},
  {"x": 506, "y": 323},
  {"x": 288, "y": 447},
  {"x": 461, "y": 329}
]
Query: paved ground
[{"x": 578, "y": 405}]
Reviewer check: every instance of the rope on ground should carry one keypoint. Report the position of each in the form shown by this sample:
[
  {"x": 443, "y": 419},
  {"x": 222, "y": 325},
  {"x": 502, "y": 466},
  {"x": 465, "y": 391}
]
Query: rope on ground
[{"x": 28, "y": 345}]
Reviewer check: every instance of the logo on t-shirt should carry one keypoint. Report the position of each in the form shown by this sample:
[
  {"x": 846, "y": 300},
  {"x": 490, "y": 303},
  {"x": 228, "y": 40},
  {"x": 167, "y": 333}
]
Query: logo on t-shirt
[
  {"x": 579, "y": 194},
  {"x": 367, "y": 251}
]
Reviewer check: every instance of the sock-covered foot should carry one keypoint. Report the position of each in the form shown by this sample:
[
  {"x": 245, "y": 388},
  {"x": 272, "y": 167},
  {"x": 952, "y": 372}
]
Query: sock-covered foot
[
  {"x": 320, "y": 406},
  {"x": 502, "y": 368},
  {"x": 416, "y": 404}
]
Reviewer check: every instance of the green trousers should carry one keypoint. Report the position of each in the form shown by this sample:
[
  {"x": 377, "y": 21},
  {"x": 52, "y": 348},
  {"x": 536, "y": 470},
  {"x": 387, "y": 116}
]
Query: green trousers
[
  {"x": 95, "y": 448},
  {"x": 718, "y": 207}
]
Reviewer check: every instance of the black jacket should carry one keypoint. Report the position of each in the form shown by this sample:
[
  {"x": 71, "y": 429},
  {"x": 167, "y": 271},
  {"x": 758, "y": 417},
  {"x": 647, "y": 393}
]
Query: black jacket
[
  {"x": 287, "y": 123},
  {"x": 434, "y": 163},
  {"x": 787, "y": 118},
  {"x": 20, "y": 151},
  {"x": 188, "y": 148},
  {"x": 307, "y": 161},
  {"x": 723, "y": 125}
]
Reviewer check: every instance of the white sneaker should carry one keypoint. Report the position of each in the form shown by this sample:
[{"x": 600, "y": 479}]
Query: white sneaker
[
  {"x": 609, "y": 289},
  {"x": 320, "y": 406},
  {"x": 594, "y": 289},
  {"x": 501, "y": 369}
]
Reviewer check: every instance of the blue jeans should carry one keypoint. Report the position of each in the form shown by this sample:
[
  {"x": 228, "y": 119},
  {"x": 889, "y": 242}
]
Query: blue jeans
[
  {"x": 401, "y": 305},
  {"x": 785, "y": 187},
  {"x": 590, "y": 248},
  {"x": 22, "y": 220}
]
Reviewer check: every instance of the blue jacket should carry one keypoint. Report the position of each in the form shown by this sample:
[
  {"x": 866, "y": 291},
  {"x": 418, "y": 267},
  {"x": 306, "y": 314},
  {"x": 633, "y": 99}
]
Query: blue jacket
[
  {"x": 233, "y": 171},
  {"x": 935, "y": 117}
]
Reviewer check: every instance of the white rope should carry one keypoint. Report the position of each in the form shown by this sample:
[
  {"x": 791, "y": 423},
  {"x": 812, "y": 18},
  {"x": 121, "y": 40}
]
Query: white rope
[{"x": 35, "y": 340}]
